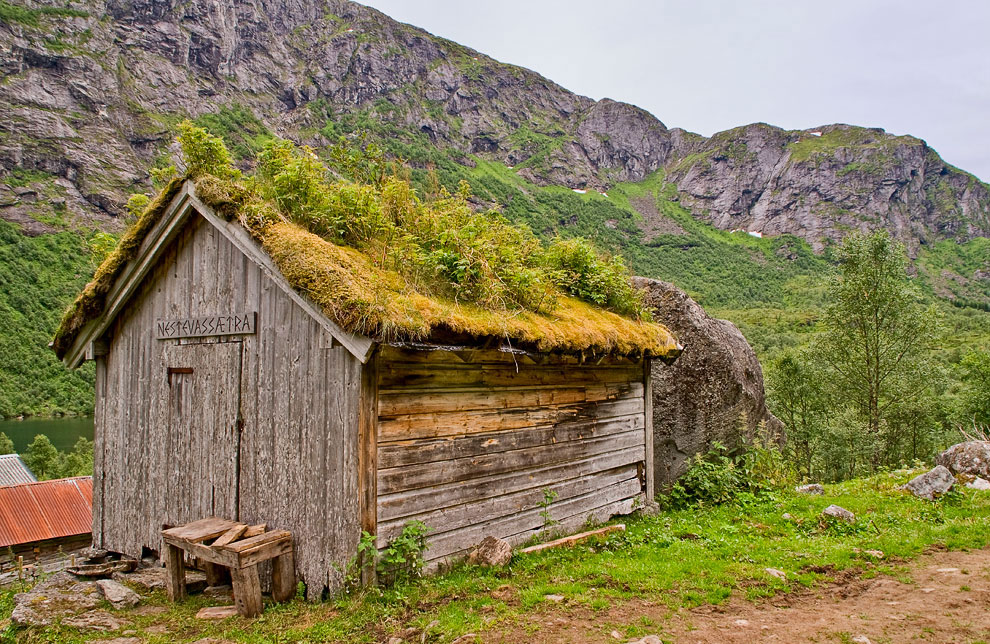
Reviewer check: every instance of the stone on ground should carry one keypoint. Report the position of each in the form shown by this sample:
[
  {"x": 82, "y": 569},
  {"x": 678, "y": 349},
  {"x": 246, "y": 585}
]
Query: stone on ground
[
  {"x": 649, "y": 639},
  {"x": 774, "y": 572},
  {"x": 119, "y": 595},
  {"x": 979, "y": 484},
  {"x": 57, "y": 597},
  {"x": 217, "y": 612},
  {"x": 94, "y": 620},
  {"x": 931, "y": 484},
  {"x": 492, "y": 551},
  {"x": 810, "y": 488},
  {"x": 838, "y": 512},
  {"x": 971, "y": 457}
]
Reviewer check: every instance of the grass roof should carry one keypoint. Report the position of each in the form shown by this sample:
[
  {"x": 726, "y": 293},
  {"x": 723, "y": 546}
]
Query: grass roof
[{"x": 393, "y": 285}]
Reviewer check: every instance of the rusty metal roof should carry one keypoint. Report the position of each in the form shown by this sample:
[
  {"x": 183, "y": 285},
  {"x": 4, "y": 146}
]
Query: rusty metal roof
[
  {"x": 13, "y": 471},
  {"x": 45, "y": 510}
]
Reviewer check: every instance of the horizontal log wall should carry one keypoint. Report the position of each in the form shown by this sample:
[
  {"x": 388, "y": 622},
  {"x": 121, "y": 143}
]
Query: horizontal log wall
[{"x": 468, "y": 442}]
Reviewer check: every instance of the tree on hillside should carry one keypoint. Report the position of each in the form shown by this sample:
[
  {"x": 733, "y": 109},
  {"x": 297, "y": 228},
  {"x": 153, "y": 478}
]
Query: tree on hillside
[
  {"x": 6, "y": 445},
  {"x": 42, "y": 458},
  {"x": 78, "y": 462},
  {"x": 976, "y": 395},
  {"x": 876, "y": 340},
  {"x": 795, "y": 384}
]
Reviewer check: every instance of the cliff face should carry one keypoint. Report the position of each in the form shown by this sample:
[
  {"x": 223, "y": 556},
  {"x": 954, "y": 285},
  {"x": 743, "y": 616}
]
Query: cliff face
[
  {"x": 819, "y": 184},
  {"x": 90, "y": 96}
]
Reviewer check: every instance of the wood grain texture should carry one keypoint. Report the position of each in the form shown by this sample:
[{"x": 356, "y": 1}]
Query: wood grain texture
[{"x": 469, "y": 440}]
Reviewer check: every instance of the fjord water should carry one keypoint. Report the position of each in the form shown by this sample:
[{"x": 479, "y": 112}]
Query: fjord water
[{"x": 63, "y": 432}]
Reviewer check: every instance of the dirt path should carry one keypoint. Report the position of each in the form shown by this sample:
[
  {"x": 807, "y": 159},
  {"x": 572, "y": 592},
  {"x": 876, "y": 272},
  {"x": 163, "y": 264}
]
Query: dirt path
[{"x": 943, "y": 597}]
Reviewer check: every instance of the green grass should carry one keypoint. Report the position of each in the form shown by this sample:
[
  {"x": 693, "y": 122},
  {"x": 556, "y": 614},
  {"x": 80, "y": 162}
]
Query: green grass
[
  {"x": 11, "y": 13},
  {"x": 810, "y": 147},
  {"x": 653, "y": 560}
]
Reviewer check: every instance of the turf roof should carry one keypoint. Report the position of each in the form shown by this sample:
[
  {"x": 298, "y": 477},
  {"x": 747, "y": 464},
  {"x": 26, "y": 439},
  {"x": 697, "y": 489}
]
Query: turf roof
[{"x": 365, "y": 299}]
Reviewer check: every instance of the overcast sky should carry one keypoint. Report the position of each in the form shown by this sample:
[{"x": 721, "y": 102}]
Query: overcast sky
[{"x": 910, "y": 67}]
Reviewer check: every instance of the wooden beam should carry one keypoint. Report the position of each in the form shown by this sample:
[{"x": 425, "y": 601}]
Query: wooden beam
[
  {"x": 574, "y": 538},
  {"x": 368, "y": 458}
]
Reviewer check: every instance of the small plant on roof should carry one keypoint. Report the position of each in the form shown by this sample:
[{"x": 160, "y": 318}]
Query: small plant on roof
[{"x": 205, "y": 153}]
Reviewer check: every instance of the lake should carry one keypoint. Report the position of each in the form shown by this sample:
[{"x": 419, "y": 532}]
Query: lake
[{"x": 63, "y": 432}]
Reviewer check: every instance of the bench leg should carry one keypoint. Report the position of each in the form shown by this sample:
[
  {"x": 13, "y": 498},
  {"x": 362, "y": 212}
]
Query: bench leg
[
  {"x": 283, "y": 577},
  {"x": 215, "y": 574},
  {"x": 175, "y": 573},
  {"x": 247, "y": 591}
]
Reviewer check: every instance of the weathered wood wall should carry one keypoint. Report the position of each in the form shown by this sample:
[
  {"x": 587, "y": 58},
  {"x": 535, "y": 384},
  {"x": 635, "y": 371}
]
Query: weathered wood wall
[
  {"x": 468, "y": 441},
  {"x": 295, "y": 391}
]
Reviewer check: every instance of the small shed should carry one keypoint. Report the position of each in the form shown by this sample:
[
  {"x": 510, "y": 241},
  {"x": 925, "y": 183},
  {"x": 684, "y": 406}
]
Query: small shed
[
  {"x": 13, "y": 470},
  {"x": 43, "y": 517},
  {"x": 223, "y": 387}
]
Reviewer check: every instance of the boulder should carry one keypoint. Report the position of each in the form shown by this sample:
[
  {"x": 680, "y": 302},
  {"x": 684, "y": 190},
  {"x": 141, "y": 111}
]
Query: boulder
[
  {"x": 979, "y": 484},
  {"x": 492, "y": 551},
  {"x": 810, "y": 488},
  {"x": 931, "y": 484},
  {"x": 971, "y": 457},
  {"x": 712, "y": 392},
  {"x": 119, "y": 595},
  {"x": 839, "y": 512}
]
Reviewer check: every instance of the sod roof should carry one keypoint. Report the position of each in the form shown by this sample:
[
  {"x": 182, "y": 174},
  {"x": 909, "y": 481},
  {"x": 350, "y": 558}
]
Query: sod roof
[{"x": 365, "y": 299}]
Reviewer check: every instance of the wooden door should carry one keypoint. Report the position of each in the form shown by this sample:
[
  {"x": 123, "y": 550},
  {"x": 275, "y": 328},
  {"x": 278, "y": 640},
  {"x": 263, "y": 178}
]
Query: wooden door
[{"x": 202, "y": 436}]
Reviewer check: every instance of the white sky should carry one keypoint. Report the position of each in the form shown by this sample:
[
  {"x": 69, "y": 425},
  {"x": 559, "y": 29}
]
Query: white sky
[{"x": 910, "y": 67}]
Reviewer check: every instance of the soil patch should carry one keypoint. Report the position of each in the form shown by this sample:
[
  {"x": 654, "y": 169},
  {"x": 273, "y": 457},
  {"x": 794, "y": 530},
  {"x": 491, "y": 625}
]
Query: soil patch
[{"x": 941, "y": 597}]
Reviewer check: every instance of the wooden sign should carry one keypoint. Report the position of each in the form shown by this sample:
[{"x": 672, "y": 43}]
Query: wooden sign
[{"x": 210, "y": 325}]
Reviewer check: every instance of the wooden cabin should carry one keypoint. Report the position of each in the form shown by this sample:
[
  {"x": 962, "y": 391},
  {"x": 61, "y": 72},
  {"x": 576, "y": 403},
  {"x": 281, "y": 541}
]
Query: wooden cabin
[{"x": 223, "y": 390}]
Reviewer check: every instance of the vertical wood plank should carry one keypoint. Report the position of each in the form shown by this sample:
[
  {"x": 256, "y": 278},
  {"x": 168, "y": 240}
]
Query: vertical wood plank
[
  {"x": 648, "y": 437},
  {"x": 367, "y": 456}
]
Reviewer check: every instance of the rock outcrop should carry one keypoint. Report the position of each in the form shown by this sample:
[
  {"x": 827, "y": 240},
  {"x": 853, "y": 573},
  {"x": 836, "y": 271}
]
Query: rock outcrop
[
  {"x": 713, "y": 392},
  {"x": 970, "y": 457}
]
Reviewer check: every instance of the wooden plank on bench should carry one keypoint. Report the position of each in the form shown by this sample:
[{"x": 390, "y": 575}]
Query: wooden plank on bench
[
  {"x": 199, "y": 531},
  {"x": 230, "y": 536},
  {"x": 258, "y": 541},
  {"x": 206, "y": 553},
  {"x": 254, "y": 530}
]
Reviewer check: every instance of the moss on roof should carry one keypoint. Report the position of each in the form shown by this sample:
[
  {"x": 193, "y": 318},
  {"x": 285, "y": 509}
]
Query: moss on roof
[{"x": 356, "y": 289}]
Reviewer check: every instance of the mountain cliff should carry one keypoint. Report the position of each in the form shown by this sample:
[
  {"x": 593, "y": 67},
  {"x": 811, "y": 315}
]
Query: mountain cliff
[{"x": 92, "y": 90}]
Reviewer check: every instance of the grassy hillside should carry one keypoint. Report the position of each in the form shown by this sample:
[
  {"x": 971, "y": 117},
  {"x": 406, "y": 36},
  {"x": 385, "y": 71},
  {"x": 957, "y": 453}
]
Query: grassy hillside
[{"x": 40, "y": 276}]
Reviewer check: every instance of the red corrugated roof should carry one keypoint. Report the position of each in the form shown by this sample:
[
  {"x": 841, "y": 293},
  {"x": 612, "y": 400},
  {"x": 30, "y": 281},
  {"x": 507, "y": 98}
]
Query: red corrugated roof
[{"x": 45, "y": 510}]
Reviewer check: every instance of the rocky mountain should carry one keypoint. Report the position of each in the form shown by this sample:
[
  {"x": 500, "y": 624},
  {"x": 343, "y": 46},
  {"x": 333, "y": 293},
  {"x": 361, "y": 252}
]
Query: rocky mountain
[{"x": 91, "y": 91}]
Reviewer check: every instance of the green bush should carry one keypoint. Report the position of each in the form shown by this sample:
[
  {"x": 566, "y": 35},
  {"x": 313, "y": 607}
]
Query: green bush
[
  {"x": 581, "y": 270},
  {"x": 721, "y": 475}
]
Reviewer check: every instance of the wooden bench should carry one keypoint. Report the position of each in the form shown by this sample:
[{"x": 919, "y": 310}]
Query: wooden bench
[{"x": 238, "y": 547}]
